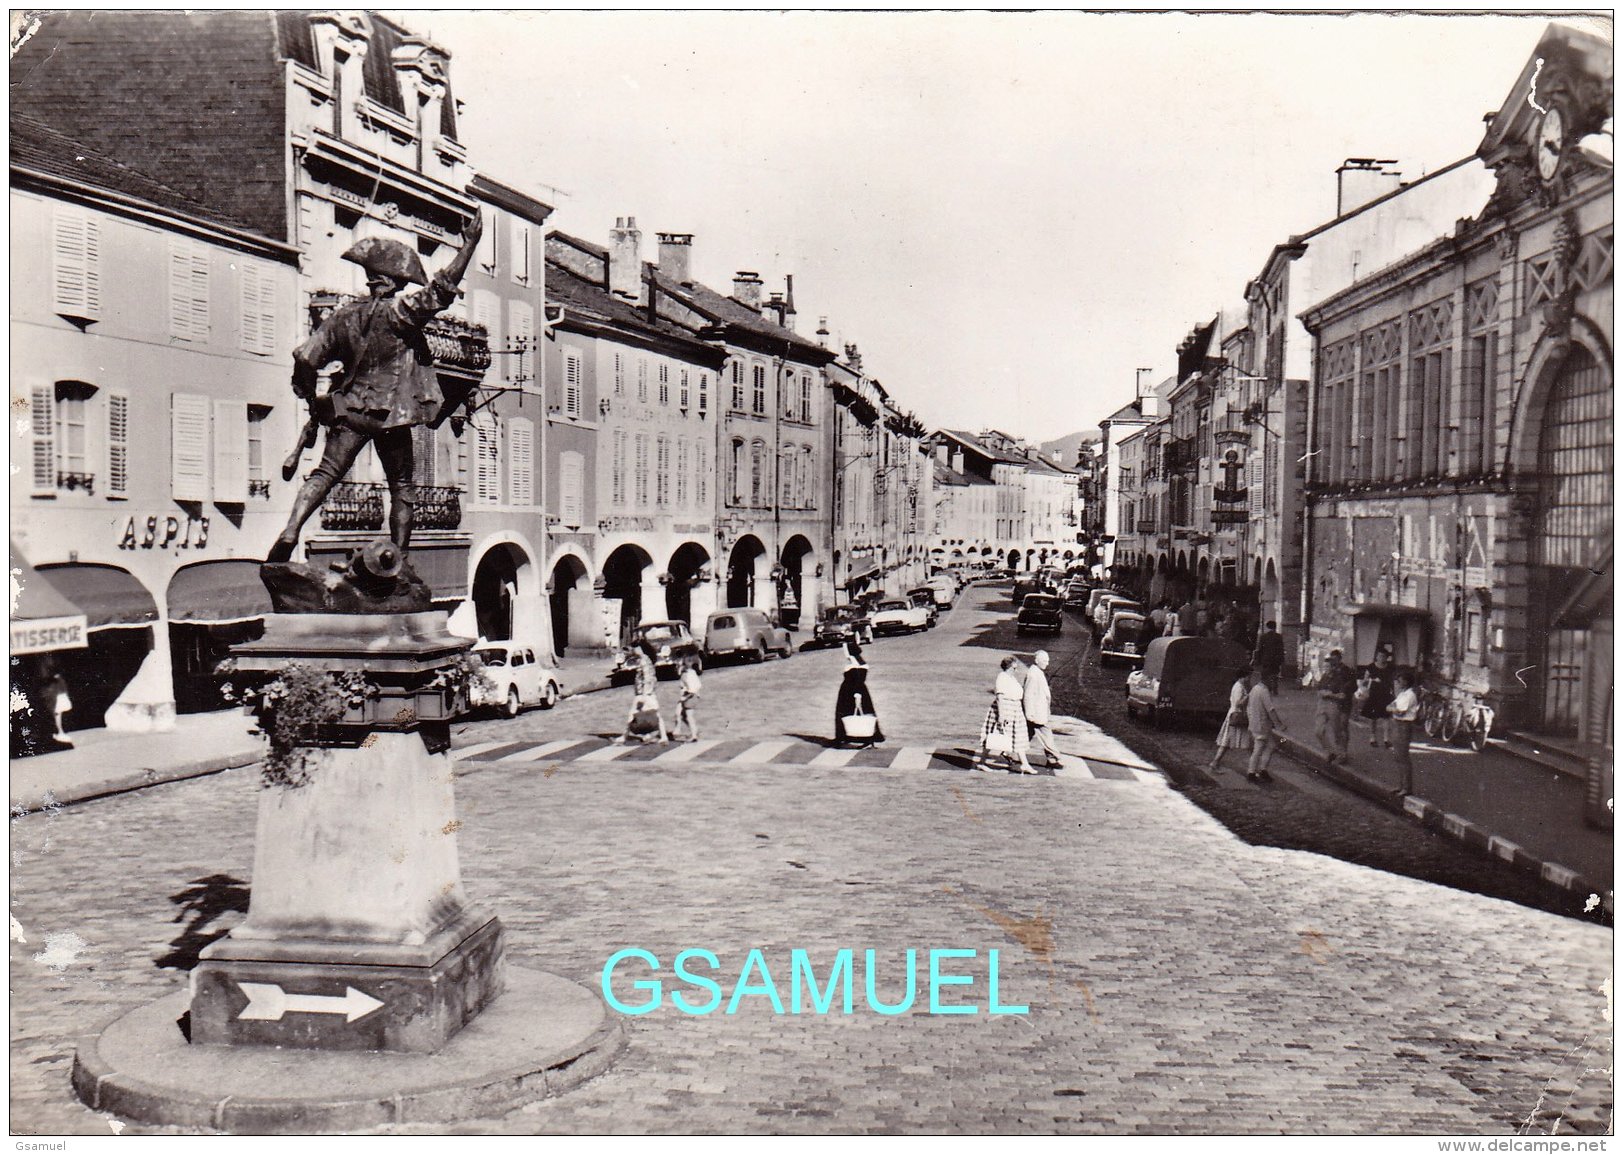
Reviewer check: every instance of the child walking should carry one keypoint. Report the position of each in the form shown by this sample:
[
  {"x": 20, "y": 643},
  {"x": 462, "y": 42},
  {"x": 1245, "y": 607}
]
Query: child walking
[{"x": 687, "y": 710}]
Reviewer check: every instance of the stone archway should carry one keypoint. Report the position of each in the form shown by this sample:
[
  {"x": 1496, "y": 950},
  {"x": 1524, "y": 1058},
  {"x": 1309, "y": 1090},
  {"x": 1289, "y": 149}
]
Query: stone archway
[
  {"x": 625, "y": 573},
  {"x": 795, "y": 585},
  {"x": 745, "y": 572},
  {"x": 497, "y": 580},
  {"x": 569, "y": 602},
  {"x": 685, "y": 575},
  {"x": 1014, "y": 559}
]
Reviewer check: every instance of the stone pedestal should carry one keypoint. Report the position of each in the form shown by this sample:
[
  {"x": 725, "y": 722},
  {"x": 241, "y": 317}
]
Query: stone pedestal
[{"x": 358, "y": 935}]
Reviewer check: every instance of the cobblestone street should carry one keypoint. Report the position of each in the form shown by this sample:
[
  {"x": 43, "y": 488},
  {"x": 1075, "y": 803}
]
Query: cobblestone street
[{"x": 1179, "y": 980}]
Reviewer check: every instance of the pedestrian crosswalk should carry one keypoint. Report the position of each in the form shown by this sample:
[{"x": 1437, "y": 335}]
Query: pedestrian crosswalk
[{"x": 591, "y": 749}]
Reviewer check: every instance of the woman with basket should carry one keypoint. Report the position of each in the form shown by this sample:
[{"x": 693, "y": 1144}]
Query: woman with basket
[
  {"x": 1236, "y": 731},
  {"x": 1003, "y": 735},
  {"x": 855, "y": 719}
]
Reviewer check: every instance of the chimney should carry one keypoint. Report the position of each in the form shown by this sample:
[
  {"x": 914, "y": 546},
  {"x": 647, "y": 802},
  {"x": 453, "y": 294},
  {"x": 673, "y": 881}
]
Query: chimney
[
  {"x": 822, "y": 331},
  {"x": 747, "y": 289},
  {"x": 775, "y": 305},
  {"x": 625, "y": 259},
  {"x": 676, "y": 257},
  {"x": 1362, "y": 179},
  {"x": 789, "y": 301}
]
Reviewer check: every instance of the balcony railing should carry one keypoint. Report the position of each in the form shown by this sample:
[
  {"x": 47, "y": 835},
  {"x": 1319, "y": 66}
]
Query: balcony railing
[
  {"x": 259, "y": 487},
  {"x": 70, "y": 480},
  {"x": 358, "y": 506},
  {"x": 1179, "y": 455},
  {"x": 1144, "y": 525},
  {"x": 457, "y": 346}
]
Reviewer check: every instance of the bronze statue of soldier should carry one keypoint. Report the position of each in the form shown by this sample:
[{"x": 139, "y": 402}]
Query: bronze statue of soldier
[{"x": 387, "y": 384}]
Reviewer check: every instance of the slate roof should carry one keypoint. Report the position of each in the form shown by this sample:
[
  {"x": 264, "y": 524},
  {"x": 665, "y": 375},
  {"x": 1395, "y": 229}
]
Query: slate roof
[
  {"x": 947, "y": 475},
  {"x": 588, "y": 301},
  {"x": 1132, "y": 411},
  {"x": 39, "y": 148},
  {"x": 980, "y": 447},
  {"x": 738, "y": 316}
]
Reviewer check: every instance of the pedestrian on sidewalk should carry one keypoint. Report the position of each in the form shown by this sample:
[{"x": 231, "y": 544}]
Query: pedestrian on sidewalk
[
  {"x": 1375, "y": 692},
  {"x": 855, "y": 699},
  {"x": 687, "y": 709},
  {"x": 56, "y": 694},
  {"x": 1263, "y": 718},
  {"x": 1405, "y": 711},
  {"x": 1336, "y": 685},
  {"x": 1269, "y": 657},
  {"x": 1236, "y": 731},
  {"x": 1003, "y": 734},
  {"x": 1036, "y": 699},
  {"x": 645, "y": 718}
]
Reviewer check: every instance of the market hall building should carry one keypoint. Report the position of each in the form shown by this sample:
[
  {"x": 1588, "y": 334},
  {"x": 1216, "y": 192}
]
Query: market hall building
[{"x": 1459, "y": 492}]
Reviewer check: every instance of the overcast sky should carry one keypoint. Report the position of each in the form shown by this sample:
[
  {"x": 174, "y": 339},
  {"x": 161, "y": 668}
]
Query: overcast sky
[{"x": 1009, "y": 213}]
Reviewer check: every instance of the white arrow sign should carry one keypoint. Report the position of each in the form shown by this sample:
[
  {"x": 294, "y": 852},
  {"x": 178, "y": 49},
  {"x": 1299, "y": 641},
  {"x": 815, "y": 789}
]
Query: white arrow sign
[{"x": 269, "y": 1001}]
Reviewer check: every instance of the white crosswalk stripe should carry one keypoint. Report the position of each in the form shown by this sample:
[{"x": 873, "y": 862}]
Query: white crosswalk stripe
[
  {"x": 688, "y": 752},
  {"x": 536, "y": 753}
]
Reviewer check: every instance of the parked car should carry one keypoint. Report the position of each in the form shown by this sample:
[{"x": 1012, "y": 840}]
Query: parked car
[
  {"x": 1040, "y": 612},
  {"x": 946, "y": 590},
  {"x": 674, "y": 649},
  {"x": 745, "y": 633},
  {"x": 513, "y": 678},
  {"x": 1123, "y": 639},
  {"x": 840, "y": 624},
  {"x": 1076, "y": 594},
  {"x": 924, "y": 596},
  {"x": 1185, "y": 677},
  {"x": 1107, "y": 609},
  {"x": 898, "y": 616},
  {"x": 1031, "y": 583},
  {"x": 1096, "y": 595}
]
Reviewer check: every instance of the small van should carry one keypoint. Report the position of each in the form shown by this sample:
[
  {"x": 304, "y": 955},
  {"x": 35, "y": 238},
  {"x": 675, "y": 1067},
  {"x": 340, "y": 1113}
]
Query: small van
[
  {"x": 1185, "y": 677},
  {"x": 746, "y": 633}
]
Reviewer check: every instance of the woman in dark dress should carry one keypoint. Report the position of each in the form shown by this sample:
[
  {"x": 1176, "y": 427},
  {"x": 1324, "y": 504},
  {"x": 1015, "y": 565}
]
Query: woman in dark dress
[{"x": 854, "y": 690}]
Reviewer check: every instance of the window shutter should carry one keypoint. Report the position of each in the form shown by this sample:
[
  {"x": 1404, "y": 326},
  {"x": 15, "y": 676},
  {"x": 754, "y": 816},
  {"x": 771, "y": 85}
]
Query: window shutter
[
  {"x": 569, "y": 483},
  {"x": 523, "y": 324},
  {"x": 521, "y": 461},
  {"x": 1253, "y": 481},
  {"x": 487, "y": 312},
  {"x": 189, "y": 447},
  {"x": 619, "y": 467},
  {"x": 118, "y": 445},
  {"x": 43, "y": 418},
  {"x": 188, "y": 290},
  {"x": 519, "y": 258},
  {"x": 701, "y": 475},
  {"x": 488, "y": 477},
  {"x": 76, "y": 264},
  {"x": 572, "y": 383},
  {"x": 231, "y": 451},
  {"x": 259, "y": 306}
]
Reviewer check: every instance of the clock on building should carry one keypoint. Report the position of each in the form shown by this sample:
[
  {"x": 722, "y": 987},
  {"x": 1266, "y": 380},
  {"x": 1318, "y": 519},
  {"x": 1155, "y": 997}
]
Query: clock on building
[{"x": 1552, "y": 140}]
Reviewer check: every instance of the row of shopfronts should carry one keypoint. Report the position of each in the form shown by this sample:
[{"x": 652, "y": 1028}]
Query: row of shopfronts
[{"x": 1404, "y": 437}]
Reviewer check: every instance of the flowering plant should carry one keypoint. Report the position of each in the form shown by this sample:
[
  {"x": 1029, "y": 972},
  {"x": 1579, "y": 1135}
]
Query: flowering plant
[{"x": 292, "y": 708}]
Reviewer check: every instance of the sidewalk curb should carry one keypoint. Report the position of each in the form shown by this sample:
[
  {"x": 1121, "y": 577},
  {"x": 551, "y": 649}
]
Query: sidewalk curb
[
  {"x": 1433, "y": 817},
  {"x": 135, "y": 780}
]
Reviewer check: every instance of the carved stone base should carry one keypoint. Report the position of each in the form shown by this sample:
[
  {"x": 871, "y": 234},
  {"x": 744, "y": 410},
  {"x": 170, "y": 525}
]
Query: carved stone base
[{"x": 332, "y": 996}]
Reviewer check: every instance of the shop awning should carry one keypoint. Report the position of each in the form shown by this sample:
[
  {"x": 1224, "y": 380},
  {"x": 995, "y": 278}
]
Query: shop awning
[
  {"x": 218, "y": 593},
  {"x": 42, "y": 619},
  {"x": 109, "y": 597},
  {"x": 864, "y": 572}
]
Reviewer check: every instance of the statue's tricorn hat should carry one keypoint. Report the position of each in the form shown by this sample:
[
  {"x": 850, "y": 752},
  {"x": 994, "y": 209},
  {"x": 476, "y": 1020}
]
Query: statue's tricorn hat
[{"x": 392, "y": 258}]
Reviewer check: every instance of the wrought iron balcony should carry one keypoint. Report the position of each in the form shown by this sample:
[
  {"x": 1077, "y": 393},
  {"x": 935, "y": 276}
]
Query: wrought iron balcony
[
  {"x": 359, "y": 506},
  {"x": 84, "y": 481},
  {"x": 1178, "y": 455},
  {"x": 1144, "y": 525},
  {"x": 353, "y": 506},
  {"x": 259, "y": 488}
]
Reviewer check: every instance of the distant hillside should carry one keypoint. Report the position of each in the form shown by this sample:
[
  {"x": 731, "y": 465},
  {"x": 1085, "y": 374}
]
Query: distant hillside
[{"x": 1063, "y": 449}]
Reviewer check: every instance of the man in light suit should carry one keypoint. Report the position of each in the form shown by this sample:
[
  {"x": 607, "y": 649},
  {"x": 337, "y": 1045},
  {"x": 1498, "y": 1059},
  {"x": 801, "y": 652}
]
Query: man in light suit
[{"x": 1036, "y": 700}]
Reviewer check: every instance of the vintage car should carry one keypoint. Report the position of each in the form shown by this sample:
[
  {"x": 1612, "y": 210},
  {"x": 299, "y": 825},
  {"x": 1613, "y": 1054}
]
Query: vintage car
[
  {"x": 1124, "y": 639},
  {"x": 1076, "y": 594},
  {"x": 1032, "y": 583},
  {"x": 946, "y": 590},
  {"x": 898, "y": 616},
  {"x": 513, "y": 678},
  {"x": 840, "y": 624},
  {"x": 924, "y": 597},
  {"x": 1107, "y": 608},
  {"x": 674, "y": 648},
  {"x": 1040, "y": 612},
  {"x": 1185, "y": 677},
  {"x": 746, "y": 633}
]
